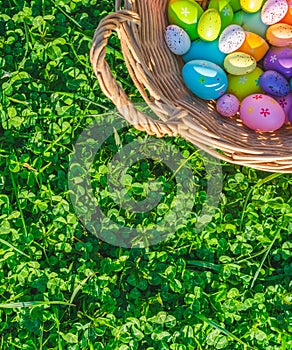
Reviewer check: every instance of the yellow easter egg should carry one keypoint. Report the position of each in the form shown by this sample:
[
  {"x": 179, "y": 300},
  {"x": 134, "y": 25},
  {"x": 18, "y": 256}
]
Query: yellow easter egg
[
  {"x": 239, "y": 63},
  {"x": 251, "y": 6},
  {"x": 209, "y": 25}
]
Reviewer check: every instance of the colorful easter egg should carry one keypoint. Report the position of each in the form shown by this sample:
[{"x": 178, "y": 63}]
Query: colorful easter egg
[
  {"x": 251, "y": 6},
  {"x": 279, "y": 59},
  {"x": 239, "y": 63},
  {"x": 227, "y": 105},
  {"x": 274, "y": 11},
  {"x": 274, "y": 83},
  {"x": 177, "y": 40},
  {"x": 231, "y": 38},
  {"x": 261, "y": 112},
  {"x": 252, "y": 22},
  {"x": 185, "y": 14},
  {"x": 279, "y": 34},
  {"x": 225, "y": 12},
  {"x": 254, "y": 45},
  {"x": 244, "y": 85},
  {"x": 205, "y": 79},
  {"x": 286, "y": 103},
  {"x": 205, "y": 50},
  {"x": 209, "y": 25},
  {"x": 288, "y": 17}
]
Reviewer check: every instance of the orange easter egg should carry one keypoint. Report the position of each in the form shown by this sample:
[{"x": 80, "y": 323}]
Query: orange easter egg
[
  {"x": 254, "y": 45},
  {"x": 288, "y": 17},
  {"x": 279, "y": 34}
]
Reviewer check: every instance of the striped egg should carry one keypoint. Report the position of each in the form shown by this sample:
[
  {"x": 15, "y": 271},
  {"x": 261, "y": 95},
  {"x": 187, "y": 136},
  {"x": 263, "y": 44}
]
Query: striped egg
[{"x": 274, "y": 11}]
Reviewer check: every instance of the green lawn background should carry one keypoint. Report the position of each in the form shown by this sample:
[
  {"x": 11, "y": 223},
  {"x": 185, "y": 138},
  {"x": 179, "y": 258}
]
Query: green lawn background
[{"x": 227, "y": 287}]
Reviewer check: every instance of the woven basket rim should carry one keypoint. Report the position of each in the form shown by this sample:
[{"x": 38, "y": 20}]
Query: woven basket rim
[{"x": 156, "y": 72}]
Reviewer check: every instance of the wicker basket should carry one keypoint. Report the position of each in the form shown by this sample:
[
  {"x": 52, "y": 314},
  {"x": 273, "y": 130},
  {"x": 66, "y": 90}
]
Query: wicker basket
[{"x": 156, "y": 72}]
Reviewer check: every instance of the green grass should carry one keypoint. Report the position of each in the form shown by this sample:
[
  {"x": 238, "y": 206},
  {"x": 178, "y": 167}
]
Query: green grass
[{"x": 225, "y": 287}]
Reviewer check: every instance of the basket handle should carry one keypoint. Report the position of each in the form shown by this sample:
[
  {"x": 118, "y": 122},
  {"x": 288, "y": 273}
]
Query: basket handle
[{"x": 115, "y": 22}]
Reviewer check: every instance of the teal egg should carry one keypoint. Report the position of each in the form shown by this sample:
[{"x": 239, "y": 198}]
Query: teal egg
[
  {"x": 205, "y": 79},
  {"x": 252, "y": 22},
  {"x": 205, "y": 50}
]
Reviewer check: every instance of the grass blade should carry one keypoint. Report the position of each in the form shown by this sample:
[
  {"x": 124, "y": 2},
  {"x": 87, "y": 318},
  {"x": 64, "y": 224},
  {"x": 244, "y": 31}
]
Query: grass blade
[
  {"x": 264, "y": 259},
  {"x": 24, "y": 304},
  {"x": 12, "y": 247},
  {"x": 223, "y": 330}
]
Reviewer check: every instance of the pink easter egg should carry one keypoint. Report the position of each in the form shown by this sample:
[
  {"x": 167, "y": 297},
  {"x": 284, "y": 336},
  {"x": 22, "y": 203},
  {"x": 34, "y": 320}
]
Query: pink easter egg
[
  {"x": 227, "y": 105},
  {"x": 261, "y": 112},
  {"x": 286, "y": 104}
]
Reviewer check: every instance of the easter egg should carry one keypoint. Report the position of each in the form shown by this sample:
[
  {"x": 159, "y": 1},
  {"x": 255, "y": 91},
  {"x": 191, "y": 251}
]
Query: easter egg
[
  {"x": 239, "y": 63},
  {"x": 205, "y": 79},
  {"x": 227, "y": 105},
  {"x": 177, "y": 40},
  {"x": 286, "y": 103},
  {"x": 209, "y": 25},
  {"x": 288, "y": 17},
  {"x": 185, "y": 14},
  {"x": 231, "y": 38},
  {"x": 251, "y": 6},
  {"x": 274, "y": 11},
  {"x": 238, "y": 17},
  {"x": 225, "y": 12},
  {"x": 205, "y": 50},
  {"x": 279, "y": 34},
  {"x": 252, "y": 22},
  {"x": 279, "y": 59},
  {"x": 290, "y": 116},
  {"x": 260, "y": 112},
  {"x": 254, "y": 45},
  {"x": 235, "y": 4},
  {"x": 274, "y": 83},
  {"x": 244, "y": 85}
]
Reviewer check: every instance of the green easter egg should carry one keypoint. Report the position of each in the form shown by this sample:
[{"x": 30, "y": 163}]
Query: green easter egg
[
  {"x": 238, "y": 17},
  {"x": 185, "y": 14},
  {"x": 235, "y": 4},
  {"x": 225, "y": 11},
  {"x": 244, "y": 85},
  {"x": 209, "y": 25}
]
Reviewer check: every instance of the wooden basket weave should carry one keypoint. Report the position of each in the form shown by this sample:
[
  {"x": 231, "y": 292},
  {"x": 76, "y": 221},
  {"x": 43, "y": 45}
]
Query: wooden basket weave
[{"x": 153, "y": 68}]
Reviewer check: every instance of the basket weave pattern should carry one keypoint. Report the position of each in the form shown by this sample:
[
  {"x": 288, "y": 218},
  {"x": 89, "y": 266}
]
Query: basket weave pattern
[{"x": 153, "y": 68}]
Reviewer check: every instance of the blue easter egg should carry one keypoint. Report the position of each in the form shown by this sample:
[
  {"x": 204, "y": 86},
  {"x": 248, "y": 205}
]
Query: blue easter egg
[
  {"x": 274, "y": 83},
  {"x": 205, "y": 79},
  {"x": 205, "y": 50}
]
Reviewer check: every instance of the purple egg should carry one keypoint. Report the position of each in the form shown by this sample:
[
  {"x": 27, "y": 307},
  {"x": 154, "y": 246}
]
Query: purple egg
[
  {"x": 279, "y": 59},
  {"x": 227, "y": 105},
  {"x": 286, "y": 103},
  {"x": 274, "y": 83},
  {"x": 290, "y": 116}
]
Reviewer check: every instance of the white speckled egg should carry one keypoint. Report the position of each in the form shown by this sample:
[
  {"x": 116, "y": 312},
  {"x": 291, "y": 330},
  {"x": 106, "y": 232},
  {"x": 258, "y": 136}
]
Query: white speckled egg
[
  {"x": 273, "y": 11},
  {"x": 227, "y": 105},
  {"x": 231, "y": 38},
  {"x": 177, "y": 40}
]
